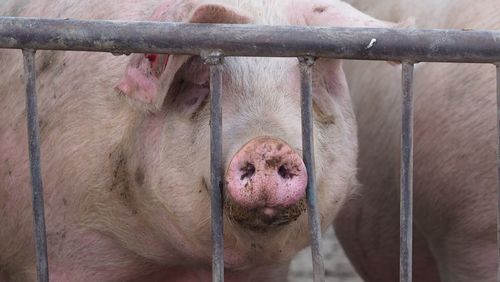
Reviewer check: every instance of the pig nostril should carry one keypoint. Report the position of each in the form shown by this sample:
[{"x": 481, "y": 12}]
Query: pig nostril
[
  {"x": 283, "y": 172},
  {"x": 248, "y": 170}
]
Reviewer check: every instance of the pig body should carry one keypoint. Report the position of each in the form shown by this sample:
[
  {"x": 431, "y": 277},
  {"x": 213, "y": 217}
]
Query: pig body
[
  {"x": 455, "y": 198},
  {"x": 125, "y": 150}
]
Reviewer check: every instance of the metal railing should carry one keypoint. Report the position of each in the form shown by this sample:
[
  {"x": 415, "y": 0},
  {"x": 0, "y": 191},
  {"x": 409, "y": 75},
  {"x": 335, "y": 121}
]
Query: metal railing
[{"x": 213, "y": 42}]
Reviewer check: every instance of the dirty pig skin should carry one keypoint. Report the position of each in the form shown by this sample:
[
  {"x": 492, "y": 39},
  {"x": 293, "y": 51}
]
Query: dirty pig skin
[{"x": 125, "y": 149}]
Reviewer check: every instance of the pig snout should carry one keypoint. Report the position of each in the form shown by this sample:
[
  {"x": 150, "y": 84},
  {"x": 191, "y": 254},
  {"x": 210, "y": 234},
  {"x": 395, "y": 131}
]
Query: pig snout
[{"x": 265, "y": 184}]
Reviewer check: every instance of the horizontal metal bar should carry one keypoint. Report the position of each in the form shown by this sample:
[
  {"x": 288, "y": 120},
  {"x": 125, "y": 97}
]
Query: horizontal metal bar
[
  {"x": 251, "y": 40},
  {"x": 306, "y": 64},
  {"x": 215, "y": 62},
  {"x": 406, "y": 202},
  {"x": 36, "y": 176}
]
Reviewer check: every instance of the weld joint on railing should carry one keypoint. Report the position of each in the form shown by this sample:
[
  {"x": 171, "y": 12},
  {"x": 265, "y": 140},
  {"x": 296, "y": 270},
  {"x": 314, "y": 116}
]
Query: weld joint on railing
[
  {"x": 29, "y": 50},
  {"x": 212, "y": 57},
  {"x": 307, "y": 60},
  {"x": 409, "y": 62}
]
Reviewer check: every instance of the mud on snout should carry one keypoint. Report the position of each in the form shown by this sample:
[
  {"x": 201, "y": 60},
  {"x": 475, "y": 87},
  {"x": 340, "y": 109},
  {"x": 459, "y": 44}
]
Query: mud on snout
[{"x": 263, "y": 219}]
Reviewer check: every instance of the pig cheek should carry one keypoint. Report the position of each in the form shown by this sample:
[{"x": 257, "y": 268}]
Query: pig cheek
[{"x": 335, "y": 167}]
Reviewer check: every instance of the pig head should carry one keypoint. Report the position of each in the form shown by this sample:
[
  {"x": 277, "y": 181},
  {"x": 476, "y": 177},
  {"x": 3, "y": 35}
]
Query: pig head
[{"x": 265, "y": 177}]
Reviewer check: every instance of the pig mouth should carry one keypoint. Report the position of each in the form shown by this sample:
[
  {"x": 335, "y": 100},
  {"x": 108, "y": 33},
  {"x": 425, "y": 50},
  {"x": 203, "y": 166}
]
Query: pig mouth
[{"x": 263, "y": 219}]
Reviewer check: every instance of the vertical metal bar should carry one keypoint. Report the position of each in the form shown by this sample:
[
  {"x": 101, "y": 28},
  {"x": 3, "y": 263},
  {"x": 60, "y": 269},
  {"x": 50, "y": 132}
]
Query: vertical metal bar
[
  {"x": 406, "y": 201},
  {"x": 306, "y": 64},
  {"x": 215, "y": 62},
  {"x": 498, "y": 171},
  {"x": 36, "y": 177}
]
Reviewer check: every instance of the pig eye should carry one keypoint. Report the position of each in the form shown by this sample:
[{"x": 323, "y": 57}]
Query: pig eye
[
  {"x": 192, "y": 97},
  {"x": 192, "y": 87}
]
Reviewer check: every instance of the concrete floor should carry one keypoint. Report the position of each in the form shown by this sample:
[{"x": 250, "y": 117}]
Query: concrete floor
[{"x": 337, "y": 266}]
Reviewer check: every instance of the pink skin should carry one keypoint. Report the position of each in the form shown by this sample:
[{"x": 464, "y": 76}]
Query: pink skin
[
  {"x": 454, "y": 182},
  {"x": 266, "y": 172},
  {"x": 125, "y": 174}
]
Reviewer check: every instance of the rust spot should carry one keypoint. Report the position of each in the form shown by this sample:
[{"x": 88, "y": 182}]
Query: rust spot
[{"x": 65, "y": 202}]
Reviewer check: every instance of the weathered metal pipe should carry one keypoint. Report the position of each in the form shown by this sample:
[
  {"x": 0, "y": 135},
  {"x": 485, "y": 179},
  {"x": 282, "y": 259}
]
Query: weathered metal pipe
[{"x": 416, "y": 45}]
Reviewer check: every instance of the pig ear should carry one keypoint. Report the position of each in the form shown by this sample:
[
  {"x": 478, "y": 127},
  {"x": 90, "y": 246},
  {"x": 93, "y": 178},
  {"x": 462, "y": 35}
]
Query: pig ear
[
  {"x": 332, "y": 13},
  {"x": 148, "y": 77},
  {"x": 336, "y": 13},
  {"x": 330, "y": 89},
  {"x": 140, "y": 80},
  {"x": 329, "y": 81}
]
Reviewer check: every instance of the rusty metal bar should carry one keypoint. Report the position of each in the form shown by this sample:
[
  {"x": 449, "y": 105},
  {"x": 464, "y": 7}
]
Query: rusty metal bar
[
  {"x": 306, "y": 64},
  {"x": 498, "y": 171},
  {"x": 214, "y": 59},
  {"x": 42, "y": 266},
  {"x": 417, "y": 45},
  {"x": 406, "y": 201}
]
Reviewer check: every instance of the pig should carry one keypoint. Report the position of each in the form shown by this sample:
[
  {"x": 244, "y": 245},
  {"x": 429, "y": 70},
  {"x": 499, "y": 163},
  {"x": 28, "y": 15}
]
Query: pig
[
  {"x": 454, "y": 182},
  {"x": 125, "y": 149}
]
